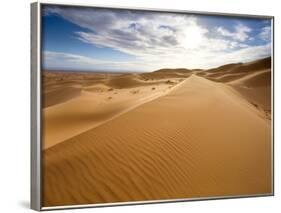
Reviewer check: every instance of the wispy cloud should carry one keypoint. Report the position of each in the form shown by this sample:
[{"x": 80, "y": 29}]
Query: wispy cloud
[
  {"x": 63, "y": 60},
  {"x": 265, "y": 34},
  {"x": 240, "y": 33},
  {"x": 71, "y": 61},
  {"x": 158, "y": 40}
]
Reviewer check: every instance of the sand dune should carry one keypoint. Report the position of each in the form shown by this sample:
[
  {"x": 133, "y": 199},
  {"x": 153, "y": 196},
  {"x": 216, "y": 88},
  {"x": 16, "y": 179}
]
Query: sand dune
[
  {"x": 73, "y": 109},
  {"x": 166, "y": 74},
  {"x": 252, "y": 80},
  {"x": 60, "y": 95},
  {"x": 193, "y": 138},
  {"x": 257, "y": 90},
  {"x": 230, "y": 72}
]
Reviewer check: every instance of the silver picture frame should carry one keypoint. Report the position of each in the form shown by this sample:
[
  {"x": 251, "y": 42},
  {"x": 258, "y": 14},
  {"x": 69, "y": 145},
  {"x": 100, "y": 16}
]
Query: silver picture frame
[{"x": 36, "y": 109}]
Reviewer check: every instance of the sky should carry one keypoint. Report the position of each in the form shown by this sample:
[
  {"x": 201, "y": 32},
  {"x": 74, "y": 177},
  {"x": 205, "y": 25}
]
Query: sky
[{"x": 96, "y": 39}]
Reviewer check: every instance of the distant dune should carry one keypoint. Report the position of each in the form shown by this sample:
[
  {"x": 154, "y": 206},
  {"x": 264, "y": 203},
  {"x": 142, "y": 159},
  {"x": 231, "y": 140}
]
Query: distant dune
[
  {"x": 252, "y": 80},
  {"x": 168, "y": 134}
]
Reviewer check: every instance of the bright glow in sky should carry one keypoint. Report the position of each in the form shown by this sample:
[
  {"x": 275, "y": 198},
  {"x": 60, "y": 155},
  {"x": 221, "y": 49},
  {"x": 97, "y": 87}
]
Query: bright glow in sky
[{"x": 76, "y": 38}]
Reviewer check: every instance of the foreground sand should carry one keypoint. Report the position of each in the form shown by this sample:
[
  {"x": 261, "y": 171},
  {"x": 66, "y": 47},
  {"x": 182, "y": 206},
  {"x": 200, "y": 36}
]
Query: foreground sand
[{"x": 193, "y": 135}]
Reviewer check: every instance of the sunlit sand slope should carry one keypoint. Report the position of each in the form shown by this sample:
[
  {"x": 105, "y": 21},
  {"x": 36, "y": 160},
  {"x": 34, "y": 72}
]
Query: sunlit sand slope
[
  {"x": 77, "y": 102},
  {"x": 201, "y": 139}
]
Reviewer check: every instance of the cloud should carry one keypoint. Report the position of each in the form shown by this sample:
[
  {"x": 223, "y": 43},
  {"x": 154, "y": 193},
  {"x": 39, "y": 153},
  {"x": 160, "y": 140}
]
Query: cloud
[
  {"x": 240, "y": 32},
  {"x": 58, "y": 56},
  {"x": 156, "y": 40},
  {"x": 152, "y": 36},
  {"x": 67, "y": 61},
  {"x": 247, "y": 54},
  {"x": 63, "y": 60},
  {"x": 265, "y": 33}
]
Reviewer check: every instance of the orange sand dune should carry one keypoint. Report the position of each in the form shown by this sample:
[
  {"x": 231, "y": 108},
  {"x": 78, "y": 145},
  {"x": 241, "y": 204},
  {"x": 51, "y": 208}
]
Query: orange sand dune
[
  {"x": 73, "y": 109},
  {"x": 252, "y": 80},
  {"x": 230, "y": 72},
  {"x": 256, "y": 88},
  {"x": 60, "y": 95},
  {"x": 166, "y": 74},
  {"x": 202, "y": 138}
]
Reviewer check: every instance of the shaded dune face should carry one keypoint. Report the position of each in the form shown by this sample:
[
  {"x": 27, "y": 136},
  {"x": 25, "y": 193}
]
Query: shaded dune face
[
  {"x": 196, "y": 137},
  {"x": 232, "y": 72},
  {"x": 59, "y": 87},
  {"x": 252, "y": 81},
  {"x": 60, "y": 95}
]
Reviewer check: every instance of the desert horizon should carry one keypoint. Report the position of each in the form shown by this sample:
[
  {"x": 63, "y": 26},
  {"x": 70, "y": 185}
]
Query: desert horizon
[{"x": 166, "y": 134}]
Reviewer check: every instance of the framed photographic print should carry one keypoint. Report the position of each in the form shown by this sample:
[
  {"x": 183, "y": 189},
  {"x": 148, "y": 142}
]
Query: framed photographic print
[{"x": 136, "y": 105}]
